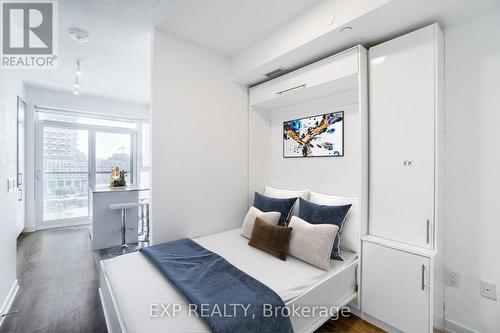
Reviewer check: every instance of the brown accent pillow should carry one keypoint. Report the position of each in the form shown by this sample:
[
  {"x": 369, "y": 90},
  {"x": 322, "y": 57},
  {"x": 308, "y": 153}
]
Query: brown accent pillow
[{"x": 272, "y": 239}]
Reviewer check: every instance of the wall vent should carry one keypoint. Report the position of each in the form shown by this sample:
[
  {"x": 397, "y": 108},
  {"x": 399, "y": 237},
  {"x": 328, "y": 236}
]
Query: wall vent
[{"x": 275, "y": 73}]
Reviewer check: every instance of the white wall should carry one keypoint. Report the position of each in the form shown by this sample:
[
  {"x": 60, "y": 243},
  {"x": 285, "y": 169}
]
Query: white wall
[
  {"x": 66, "y": 100},
  {"x": 10, "y": 88},
  {"x": 86, "y": 103},
  {"x": 472, "y": 173},
  {"x": 199, "y": 142},
  {"x": 335, "y": 176}
]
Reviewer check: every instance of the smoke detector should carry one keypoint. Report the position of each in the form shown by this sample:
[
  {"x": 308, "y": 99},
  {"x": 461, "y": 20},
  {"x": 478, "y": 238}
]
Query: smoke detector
[{"x": 79, "y": 36}]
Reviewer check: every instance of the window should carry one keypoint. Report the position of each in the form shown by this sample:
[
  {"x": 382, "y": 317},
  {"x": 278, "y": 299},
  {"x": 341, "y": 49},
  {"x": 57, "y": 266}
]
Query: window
[
  {"x": 76, "y": 152},
  {"x": 112, "y": 150},
  {"x": 144, "y": 173}
]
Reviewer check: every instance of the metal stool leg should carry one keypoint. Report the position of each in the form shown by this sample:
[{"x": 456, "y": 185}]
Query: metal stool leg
[
  {"x": 124, "y": 247},
  {"x": 144, "y": 223}
]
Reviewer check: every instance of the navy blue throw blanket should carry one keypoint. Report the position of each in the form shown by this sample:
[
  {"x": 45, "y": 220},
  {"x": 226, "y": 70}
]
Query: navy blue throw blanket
[{"x": 210, "y": 282}]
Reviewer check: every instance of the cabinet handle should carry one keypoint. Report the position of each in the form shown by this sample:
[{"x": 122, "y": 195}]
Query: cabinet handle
[
  {"x": 428, "y": 237},
  {"x": 407, "y": 163},
  {"x": 290, "y": 89},
  {"x": 423, "y": 277}
]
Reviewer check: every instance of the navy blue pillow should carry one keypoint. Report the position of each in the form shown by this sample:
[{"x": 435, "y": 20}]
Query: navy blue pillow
[
  {"x": 283, "y": 206},
  {"x": 323, "y": 214}
]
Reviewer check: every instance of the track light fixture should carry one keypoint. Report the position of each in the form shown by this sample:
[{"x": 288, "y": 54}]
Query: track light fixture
[{"x": 78, "y": 76}]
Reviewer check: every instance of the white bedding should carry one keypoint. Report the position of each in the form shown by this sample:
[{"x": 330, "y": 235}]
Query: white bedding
[{"x": 136, "y": 283}]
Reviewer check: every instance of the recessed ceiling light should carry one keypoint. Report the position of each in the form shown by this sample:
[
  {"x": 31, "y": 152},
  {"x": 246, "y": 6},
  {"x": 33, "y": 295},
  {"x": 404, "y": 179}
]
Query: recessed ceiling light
[
  {"x": 346, "y": 29},
  {"x": 80, "y": 36}
]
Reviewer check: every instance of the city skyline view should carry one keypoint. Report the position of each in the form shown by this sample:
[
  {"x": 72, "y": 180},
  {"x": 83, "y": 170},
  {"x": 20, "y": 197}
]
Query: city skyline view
[{"x": 66, "y": 168}]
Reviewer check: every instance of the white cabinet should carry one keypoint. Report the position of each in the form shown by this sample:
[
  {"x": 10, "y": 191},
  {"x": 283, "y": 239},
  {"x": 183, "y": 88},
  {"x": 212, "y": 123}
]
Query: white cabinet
[
  {"x": 338, "y": 72},
  {"x": 395, "y": 287},
  {"x": 402, "y": 270},
  {"x": 403, "y": 86}
]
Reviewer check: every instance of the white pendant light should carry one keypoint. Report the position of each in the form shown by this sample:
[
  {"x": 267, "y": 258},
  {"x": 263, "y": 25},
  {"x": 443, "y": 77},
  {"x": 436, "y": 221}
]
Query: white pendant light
[
  {"x": 78, "y": 71},
  {"x": 78, "y": 75}
]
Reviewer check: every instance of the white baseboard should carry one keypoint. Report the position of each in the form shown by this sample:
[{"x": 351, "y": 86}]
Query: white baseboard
[
  {"x": 62, "y": 225},
  {"x": 454, "y": 327},
  {"x": 9, "y": 300},
  {"x": 29, "y": 229}
]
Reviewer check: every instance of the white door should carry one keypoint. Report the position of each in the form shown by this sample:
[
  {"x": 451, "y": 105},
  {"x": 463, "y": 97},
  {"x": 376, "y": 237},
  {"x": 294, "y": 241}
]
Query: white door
[
  {"x": 395, "y": 288},
  {"x": 21, "y": 113},
  {"x": 401, "y": 82}
]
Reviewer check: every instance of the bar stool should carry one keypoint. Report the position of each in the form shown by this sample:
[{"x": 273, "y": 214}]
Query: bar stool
[
  {"x": 124, "y": 247},
  {"x": 143, "y": 221}
]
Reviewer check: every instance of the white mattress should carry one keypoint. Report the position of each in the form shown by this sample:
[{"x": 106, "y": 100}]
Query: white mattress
[{"x": 136, "y": 283}]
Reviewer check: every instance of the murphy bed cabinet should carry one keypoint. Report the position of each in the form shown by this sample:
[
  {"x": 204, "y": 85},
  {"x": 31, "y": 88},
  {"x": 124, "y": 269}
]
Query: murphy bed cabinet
[{"x": 402, "y": 287}]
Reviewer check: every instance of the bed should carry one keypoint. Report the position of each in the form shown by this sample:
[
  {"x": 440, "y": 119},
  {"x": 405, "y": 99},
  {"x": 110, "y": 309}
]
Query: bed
[{"x": 131, "y": 283}]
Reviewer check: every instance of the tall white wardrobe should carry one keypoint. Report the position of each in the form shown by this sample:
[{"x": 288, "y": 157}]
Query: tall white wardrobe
[{"x": 402, "y": 270}]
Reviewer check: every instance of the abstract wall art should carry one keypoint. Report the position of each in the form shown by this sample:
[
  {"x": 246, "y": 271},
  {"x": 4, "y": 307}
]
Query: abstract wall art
[{"x": 317, "y": 136}]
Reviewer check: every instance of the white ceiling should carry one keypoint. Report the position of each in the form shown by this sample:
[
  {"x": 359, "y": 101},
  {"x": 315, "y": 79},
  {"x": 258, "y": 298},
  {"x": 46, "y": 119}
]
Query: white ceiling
[
  {"x": 116, "y": 61},
  {"x": 385, "y": 19},
  {"x": 229, "y": 26}
]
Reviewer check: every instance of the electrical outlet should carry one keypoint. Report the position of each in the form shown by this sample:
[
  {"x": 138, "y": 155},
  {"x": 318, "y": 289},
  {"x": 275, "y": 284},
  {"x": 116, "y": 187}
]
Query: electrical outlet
[
  {"x": 453, "y": 279},
  {"x": 488, "y": 290}
]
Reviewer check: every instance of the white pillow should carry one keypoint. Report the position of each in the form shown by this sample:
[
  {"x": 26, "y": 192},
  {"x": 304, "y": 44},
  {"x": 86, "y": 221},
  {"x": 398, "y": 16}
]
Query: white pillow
[
  {"x": 349, "y": 235},
  {"x": 312, "y": 243},
  {"x": 253, "y": 213},
  {"x": 286, "y": 194}
]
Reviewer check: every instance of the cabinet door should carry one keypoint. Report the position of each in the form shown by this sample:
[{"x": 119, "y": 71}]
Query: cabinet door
[
  {"x": 330, "y": 69},
  {"x": 393, "y": 288},
  {"x": 402, "y": 95}
]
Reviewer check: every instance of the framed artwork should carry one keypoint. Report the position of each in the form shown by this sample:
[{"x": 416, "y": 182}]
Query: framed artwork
[{"x": 317, "y": 136}]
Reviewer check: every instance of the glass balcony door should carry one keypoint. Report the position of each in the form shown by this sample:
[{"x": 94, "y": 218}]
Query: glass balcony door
[
  {"x": 71, "y": 159},
  {"x": 63, "y": 179}
]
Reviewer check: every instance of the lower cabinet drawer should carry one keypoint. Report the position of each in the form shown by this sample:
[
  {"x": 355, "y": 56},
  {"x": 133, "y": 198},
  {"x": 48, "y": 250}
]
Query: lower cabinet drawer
[{"x": 395, "y": 288}]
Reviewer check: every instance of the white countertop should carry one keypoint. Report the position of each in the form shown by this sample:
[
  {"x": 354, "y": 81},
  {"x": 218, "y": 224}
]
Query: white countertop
[{"x": 106, "y": 188}]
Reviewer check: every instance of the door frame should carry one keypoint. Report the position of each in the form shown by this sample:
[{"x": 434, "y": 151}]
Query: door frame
[
  {"x": 40, "y": 224},
  {"x": 21, "y": 166}
]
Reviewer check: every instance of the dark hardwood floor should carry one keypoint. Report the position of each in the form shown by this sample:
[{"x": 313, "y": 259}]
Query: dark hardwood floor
[
  {"x": 58, "y": 292},
  {"x": 58, "y": 284}
]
